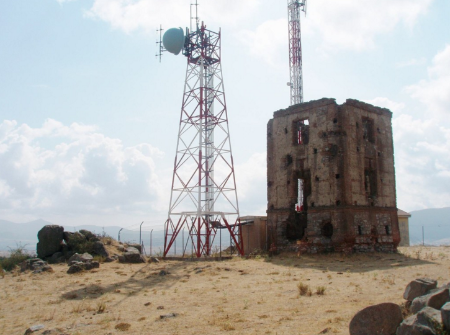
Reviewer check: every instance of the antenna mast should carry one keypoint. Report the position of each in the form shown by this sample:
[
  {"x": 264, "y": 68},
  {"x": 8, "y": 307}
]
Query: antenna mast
[
  {"x": 295, "y": 7},
  {"x": 203, "y": 195},
  {"x": 160, "y": 44}
]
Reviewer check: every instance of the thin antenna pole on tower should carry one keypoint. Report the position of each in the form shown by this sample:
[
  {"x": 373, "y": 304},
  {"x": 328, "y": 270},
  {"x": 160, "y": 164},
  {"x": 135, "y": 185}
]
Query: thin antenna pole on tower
[
  {"x": 196, "y": 15},
  {"x": 159, "y": 43}
]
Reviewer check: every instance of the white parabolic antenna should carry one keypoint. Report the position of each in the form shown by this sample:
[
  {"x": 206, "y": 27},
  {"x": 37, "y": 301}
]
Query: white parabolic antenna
[{"x": 173, "y": 40}]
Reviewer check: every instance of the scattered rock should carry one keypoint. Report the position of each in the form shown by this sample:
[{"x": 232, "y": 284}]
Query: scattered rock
[
  {"x": 77, "y": 267},
  {"x": 136, "y": 246},
  {"x": 131, "y": 256},
  {"x": 154, "y": 260},
  {"x": 57, "y": 257},
  {"x": 163, "y": 273},
  {"x": 170, "y": 315},
  {"x": 445, "y": 315},
  {"x": 435, "y": 300},
  {"x": 325, "y": 331},
  {"x": 91, "y": 265},
  {"x": 419, "y": 287},
  {"x": 147, "y": 304},
  {"x": 33, "y": 329},
  {"x": 80, "y": 258},
  {"x": 160, "y": 307},
  {"x": 422, "y": 323},
  {"x": 50, "y": 240},
  {"x": 109, "y": 259},
  {"x": 382, "y": 319}
]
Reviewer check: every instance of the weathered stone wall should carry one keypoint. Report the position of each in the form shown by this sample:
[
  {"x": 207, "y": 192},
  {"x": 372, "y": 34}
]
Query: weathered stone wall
[{"x": 346, "y": 162}]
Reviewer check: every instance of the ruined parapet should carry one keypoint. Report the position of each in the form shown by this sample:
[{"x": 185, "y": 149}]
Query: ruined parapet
[{"x": 342, "y": 156}]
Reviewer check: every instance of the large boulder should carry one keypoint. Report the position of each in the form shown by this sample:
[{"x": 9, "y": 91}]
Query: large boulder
[
  {"x": 132, "y": 255},
  {"x": 90, "y": 236},
  {"x": 381, "y": 319},
  {"x": 73, "y": 240},
  {"x": 445, "y": 315},
  {"x": 436, "y": 300},
  {"x": 423, "y": 323},
  {"x": 419, "y": 287},
  {"x": 50, "y": 240},
  {"x": 99, "y": 249},
  {"x": 137, "y": 246}
]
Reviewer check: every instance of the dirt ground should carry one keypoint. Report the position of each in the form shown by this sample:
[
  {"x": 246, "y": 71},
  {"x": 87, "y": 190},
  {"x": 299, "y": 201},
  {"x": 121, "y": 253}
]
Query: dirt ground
[{"x": 239, "y": 296}]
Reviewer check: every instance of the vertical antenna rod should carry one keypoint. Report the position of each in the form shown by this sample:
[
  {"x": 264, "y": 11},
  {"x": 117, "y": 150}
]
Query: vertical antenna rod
[
  {"x": 197, "y": 20},
  {"x": 159, "y": 43},
  {"x": 295, "y": 50}
]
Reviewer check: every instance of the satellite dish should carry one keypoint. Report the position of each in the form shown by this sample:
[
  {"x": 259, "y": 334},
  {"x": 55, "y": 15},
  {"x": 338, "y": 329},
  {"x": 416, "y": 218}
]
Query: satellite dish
[{"x": 173, "y": 40}]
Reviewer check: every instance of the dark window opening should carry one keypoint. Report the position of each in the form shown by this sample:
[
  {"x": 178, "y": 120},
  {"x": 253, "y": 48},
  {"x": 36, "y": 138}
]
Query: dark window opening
[
  {"x": 338, "y": 202},
  {"x": 379, "y": 154},
  {"x": 357, "y": 149},
  {"x": 370, "y": 182},
  {"x": 388, "y": 230},
  {"x": 359, "y": 230},
  {"x": 285, "y": 130},
  {"x": 357, "y": 125},
  {"x": 378, "y": 130},
  {"x": 288, "y": 182},
  {"x": 368, "y": 130},
  {"x": 289, "y": 160},
  {"x": 338, "y": 176},
  {"x": 327, "y": 230},
  {"x": 301, "y": 132},
  {"x": 317, "y": 178},
  {"x": 312, "y": 204},
  {"x": 334, "y": 120},
  {"x": 315, "y": 150}
]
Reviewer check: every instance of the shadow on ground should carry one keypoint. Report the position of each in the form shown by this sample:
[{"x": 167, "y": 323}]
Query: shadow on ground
[
  {"x": 354, "y": 263},
  {"x": 148, "y": 277}
]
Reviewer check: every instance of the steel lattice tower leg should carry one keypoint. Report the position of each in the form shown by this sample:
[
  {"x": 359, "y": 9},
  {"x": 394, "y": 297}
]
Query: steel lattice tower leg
[
  {"x": 203, "y": 195},
  {"x": 295, "y": 50}
]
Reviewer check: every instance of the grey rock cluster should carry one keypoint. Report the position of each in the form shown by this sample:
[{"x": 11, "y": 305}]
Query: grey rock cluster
[
  {"x": 429, "y": 304},
  {"x": 36, "y": 265},
  {"x": 131, "y": 255},
  {"x": 56, "y": 245},
  {"x": 78, "y": 263}
]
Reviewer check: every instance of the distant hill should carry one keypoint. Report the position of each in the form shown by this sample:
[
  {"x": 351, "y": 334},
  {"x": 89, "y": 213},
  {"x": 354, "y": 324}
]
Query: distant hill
[{"x": 436, "y": 223}]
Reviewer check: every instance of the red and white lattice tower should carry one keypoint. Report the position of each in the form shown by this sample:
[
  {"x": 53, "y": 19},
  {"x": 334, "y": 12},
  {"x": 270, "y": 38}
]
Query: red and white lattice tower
[
  {"x": 203, "y": 196},
  {"x": 295, "y": 7}
]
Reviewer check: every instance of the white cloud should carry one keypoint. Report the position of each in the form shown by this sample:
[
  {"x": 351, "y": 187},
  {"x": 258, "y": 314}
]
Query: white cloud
[
  {"x": 412, "y": 62},
  {"x": 393, "y": 106},
  {"x": 434, "y": 91},
  {"x": 265, "y": 41},
  {"x": 130, "y": 15},
  {"x": 354, "y": 25},
  {"x": 252, "y": 185},
  {"x": 74, "y": 170},
  {"x": 422, "y": 163}
]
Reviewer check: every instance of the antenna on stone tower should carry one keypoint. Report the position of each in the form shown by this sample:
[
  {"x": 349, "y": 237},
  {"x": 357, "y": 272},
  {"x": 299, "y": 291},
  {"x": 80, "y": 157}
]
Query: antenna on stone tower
[
  {"x": 203, "y": 195},
  {"x": 295, "y": 7}
]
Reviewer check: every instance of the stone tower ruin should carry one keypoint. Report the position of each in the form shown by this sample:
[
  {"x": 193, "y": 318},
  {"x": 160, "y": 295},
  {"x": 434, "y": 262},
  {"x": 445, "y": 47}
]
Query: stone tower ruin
[{"x": 331, "y": 178}]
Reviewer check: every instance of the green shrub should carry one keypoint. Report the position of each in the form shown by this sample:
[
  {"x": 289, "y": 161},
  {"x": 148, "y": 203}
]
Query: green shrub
[{"x": 17, "y": 256}]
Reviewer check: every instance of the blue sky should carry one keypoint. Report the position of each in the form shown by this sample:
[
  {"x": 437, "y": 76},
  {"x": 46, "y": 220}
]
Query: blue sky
[{"x": 89, "y": 117}]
